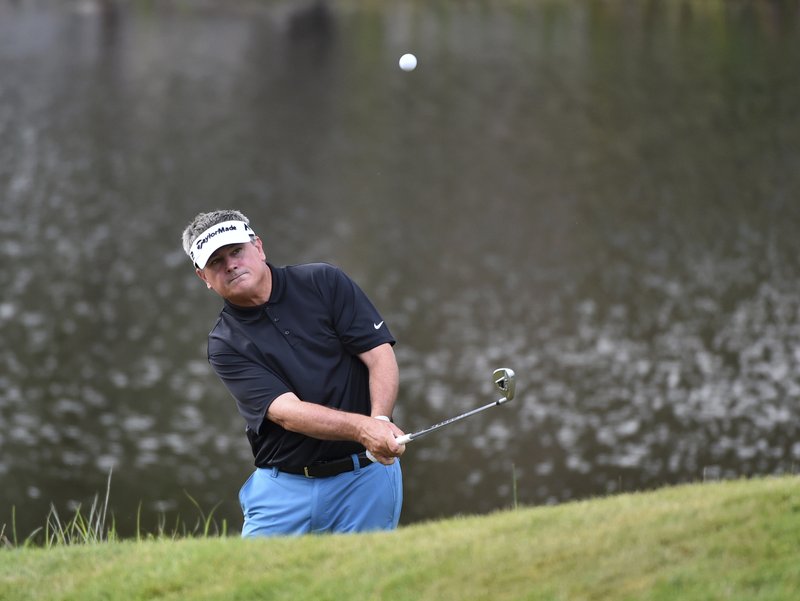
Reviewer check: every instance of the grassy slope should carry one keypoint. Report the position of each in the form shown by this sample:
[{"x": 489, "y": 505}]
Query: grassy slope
[{"x": 730, "y": 540}]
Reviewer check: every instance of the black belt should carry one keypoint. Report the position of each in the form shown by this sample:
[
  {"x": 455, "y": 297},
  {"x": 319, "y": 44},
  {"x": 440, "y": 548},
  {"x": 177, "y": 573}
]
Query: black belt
[{"x": 326, "y": 469}]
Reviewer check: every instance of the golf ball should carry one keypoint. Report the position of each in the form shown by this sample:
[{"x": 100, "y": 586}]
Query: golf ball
[{"x": 408, "y": 62}]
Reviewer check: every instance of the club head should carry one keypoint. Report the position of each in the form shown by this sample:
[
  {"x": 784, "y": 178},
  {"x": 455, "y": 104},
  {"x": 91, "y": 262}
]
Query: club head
[{"x": 504, "y": 380}]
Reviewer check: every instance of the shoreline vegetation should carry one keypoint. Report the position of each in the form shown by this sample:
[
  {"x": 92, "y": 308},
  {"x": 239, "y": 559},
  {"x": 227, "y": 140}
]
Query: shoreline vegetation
[
  {"x": 97, "y": 525},
  {"x": 732, "y": 540}
]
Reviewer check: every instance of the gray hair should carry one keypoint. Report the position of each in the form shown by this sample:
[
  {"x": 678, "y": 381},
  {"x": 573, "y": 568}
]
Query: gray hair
[{"x": 203, "y": 221}]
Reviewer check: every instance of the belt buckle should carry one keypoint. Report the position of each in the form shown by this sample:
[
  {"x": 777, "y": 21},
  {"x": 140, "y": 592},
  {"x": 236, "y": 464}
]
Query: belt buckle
[{"x": 305, "y": 472}]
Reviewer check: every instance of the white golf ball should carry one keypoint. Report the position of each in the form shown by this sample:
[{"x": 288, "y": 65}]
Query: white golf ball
[{"x": 408, "y": 62}]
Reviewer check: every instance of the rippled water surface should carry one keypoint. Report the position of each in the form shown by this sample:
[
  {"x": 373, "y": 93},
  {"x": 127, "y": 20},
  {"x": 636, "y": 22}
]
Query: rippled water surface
[{"x": 602, "y": 196}]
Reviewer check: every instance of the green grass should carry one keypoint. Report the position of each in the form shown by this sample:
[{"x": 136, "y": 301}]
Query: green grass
[{"x": 730, "y": 540}]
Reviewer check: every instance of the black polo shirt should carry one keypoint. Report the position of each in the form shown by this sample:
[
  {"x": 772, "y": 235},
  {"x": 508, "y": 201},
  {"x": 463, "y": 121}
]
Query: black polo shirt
[{"x": 305, "y": 339}]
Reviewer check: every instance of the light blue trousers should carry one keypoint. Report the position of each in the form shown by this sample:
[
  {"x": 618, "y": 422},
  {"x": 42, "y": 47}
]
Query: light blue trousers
[{"x": 275, "y": 503}]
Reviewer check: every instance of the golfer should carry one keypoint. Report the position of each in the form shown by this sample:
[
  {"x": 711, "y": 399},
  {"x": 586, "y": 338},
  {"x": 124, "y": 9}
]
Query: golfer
[{"x": 310, "y": 363}]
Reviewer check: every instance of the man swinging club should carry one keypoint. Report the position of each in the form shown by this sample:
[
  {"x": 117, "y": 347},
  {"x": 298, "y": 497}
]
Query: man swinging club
[{"x": 310, "y": 363}]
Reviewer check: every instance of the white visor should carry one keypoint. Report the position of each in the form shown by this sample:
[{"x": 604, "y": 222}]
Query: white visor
[{"x": 221, "y": 234}]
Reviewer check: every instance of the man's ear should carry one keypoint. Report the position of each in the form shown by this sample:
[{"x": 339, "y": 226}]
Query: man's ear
[
  {"x": 202, "y": 276},
  {"x": 260, "y": 246}
]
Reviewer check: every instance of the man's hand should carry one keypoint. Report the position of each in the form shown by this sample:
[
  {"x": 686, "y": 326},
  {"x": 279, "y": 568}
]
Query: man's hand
[{"x": 378, "y": 436}]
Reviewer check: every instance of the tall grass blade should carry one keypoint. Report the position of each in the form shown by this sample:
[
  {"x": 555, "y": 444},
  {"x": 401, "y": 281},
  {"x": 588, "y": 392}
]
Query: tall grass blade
[
  {"x": 31, "y": 539},
  {"x": 55, "y": 531},
  {"x": 139, "y": 523},
  {"x": 206, "y": 521},
  {"x": 105, "y": 504},
  {"x": 514, "y": 484}
]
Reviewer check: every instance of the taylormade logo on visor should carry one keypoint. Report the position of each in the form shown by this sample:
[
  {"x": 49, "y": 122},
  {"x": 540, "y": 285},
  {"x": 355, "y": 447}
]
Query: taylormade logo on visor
[
  {"x": 220, "y": 230},
  {"x": 221, "y": 234}
]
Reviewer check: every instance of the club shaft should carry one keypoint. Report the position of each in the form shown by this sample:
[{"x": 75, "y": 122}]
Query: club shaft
[{"x": 406, "y": 438}]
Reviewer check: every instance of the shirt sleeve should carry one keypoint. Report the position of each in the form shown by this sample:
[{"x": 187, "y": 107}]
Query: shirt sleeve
[
  {"x": 356, "y": 320},
  {"x": 253, "y": 386}
]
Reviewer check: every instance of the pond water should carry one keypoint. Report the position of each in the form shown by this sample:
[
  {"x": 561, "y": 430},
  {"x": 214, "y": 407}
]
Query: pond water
[{"x": 602, "y": 196}]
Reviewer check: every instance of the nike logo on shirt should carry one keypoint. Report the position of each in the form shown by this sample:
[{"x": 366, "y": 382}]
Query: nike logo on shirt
[{"x": 377, "y": 326}]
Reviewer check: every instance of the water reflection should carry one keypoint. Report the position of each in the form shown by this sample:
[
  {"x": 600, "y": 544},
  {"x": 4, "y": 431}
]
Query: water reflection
[{"x": 599, "y": 197}]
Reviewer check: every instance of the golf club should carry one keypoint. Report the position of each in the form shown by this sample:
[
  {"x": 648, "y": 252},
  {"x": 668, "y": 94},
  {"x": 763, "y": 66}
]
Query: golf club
[{"x": 504, "y": 380}]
